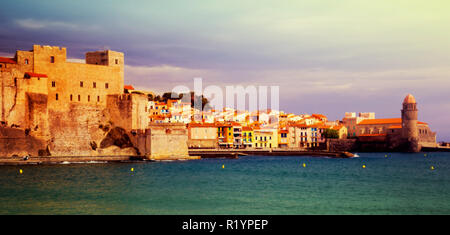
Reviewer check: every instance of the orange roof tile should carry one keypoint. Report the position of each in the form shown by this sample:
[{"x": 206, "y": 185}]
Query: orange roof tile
[
  {"x": 337, "y": 127},
  {"x": 128, "y": 87},
  {"x": 223, "y": 124},
  {"x": 36, "y": 75},
  {"x": 235, "y": 124},
  {"x": 394, "y": 121},
  {"x": 395, "y": 127},
  {"x": 366, "y": 135},
  {"x": 200, "y": 124},
  {"x": 298, "y": 125},
  {"x": 381, "y": 121},
  {"x": 316, "y": 115}
]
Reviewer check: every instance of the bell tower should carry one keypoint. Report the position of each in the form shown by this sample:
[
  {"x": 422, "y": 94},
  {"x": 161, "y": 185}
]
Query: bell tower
[{"x": 410, "y": 132}]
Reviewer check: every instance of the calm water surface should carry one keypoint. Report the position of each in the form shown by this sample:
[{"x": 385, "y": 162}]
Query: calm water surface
[{"x": 396, "y": 184}]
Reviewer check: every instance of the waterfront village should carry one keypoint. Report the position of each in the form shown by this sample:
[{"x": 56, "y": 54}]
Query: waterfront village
[{"x": 51, "y": 106}]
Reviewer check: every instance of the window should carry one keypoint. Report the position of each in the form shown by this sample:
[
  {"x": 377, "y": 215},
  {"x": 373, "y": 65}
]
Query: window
[
  {"x": 81, "y": 84},
  {"x": 56, "y": 96},
  {"x": 94, "y": 85},
  {"x": 26, "y": 61},
  {"x": 89, "y": 98},
  {"x": 71, "y": 97},
  {"x": 117, "y": 61},
  {"x": 106, "y": 85},
  {"x": 79, "y": 98},
  {"x": 98, "y": 98},
  {"x": 52, "y": 59},
  {"x": 53, "y": 84}
]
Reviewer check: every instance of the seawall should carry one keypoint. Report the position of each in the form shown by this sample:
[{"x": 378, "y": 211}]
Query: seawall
[
  {"x": 234, "y": 153},
  {"x": 63, "y": 160}
]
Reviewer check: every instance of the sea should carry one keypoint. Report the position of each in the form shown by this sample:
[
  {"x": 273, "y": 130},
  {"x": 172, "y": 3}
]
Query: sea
[{"x": 372, "y": 183}]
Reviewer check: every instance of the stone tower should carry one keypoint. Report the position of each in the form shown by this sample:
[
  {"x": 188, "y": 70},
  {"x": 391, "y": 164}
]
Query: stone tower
[{"x": 410, "y": 132}]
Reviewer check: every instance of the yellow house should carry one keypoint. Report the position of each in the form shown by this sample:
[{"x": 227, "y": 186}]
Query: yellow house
[
  {"x": 248, "y": 137},
  {"x": 225, "y": 135},
  {"x": 266, "y": 138},
  {"x": 342, "y": 130}
]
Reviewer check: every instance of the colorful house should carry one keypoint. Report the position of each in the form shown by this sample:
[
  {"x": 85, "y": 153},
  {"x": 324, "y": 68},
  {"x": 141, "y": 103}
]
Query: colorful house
[
  {"x": 266, "y": 138},
  {"x": 342, "y": 131},
  {"x": 237, "y": 135},
  {"x": 248, "y": 137},
  {"x": 225, "y": 135},
  {"x": 283, "y": 138}
]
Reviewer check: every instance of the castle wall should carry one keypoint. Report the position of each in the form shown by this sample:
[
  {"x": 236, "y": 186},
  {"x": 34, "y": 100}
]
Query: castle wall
[
  {"x": 25, "y": 61},
  {"x": 129, "y": 111},
  {"x": 168, "y": 141},
  {"x": 36, "y": 115},
  {"x": 15, "y": 97},
  {"x": 73, "y": 130},
  {"x": 372, "y": 129},
  {"x": 205, "y": 143},
  {"x": 427, "y": 138},
  {"x": 202, "y": 136},
  {"x": 336, "y": 145},
  {"x": 76, "y": 82},
  {"x": 15, "y": 142}
]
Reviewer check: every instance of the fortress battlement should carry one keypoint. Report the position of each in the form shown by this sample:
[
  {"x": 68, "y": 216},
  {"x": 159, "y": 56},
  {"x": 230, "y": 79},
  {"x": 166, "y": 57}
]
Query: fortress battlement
[{"x": 49, "y": 48}]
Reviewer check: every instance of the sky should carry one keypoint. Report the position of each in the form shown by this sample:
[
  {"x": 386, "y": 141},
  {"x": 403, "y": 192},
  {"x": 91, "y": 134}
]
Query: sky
[{"x": 326, "y": 56}]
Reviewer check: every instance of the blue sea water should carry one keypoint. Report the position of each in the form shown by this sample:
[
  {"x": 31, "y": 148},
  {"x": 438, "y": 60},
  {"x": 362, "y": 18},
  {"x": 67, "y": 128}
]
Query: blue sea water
[{"x": 391, "y": 183}]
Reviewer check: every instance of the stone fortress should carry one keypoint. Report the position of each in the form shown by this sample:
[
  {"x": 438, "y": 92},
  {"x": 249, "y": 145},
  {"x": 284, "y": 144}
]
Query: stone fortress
[{"x": 53, "y": 107}]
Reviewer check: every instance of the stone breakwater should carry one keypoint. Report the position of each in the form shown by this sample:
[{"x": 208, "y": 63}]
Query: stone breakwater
[
  {"x": 234, "y": 153},
  {"x": 62, "y": 160}
]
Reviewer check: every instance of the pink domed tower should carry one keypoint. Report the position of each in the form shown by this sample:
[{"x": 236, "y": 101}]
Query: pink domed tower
[{"x": 410, "y": 132}]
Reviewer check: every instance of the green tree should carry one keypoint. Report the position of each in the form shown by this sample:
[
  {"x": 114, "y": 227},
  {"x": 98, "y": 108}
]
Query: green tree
[
  {"x": 330, "y": 134},
  {"x": 168, "y": 95}
]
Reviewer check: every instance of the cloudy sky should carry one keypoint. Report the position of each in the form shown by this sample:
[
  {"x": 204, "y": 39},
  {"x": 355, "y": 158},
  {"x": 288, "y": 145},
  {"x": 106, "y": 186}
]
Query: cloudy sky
[{"x": 327, "y": 56}]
